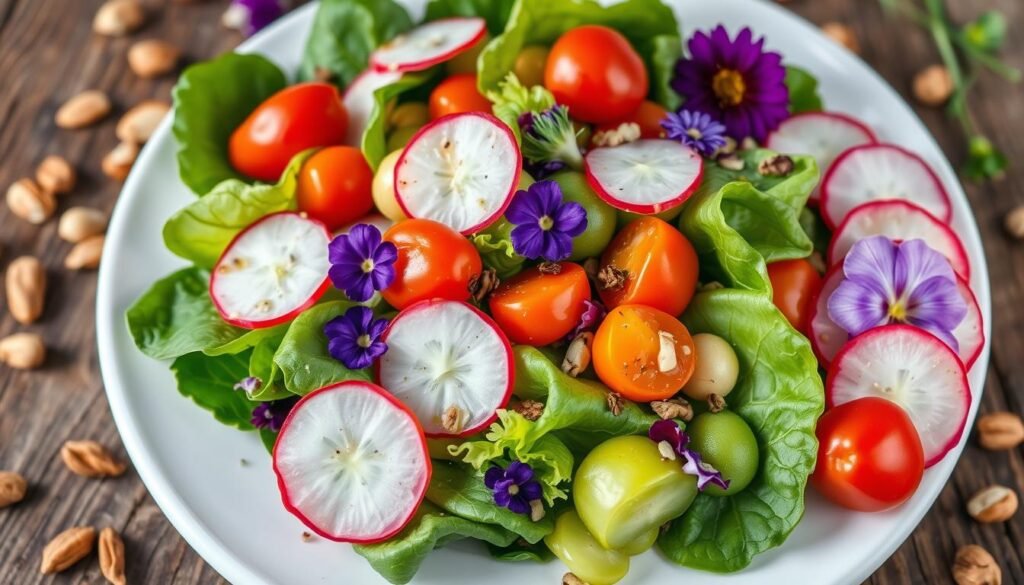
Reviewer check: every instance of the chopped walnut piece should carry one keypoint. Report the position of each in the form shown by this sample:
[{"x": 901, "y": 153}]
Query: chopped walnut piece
[
  {"x": 323, "y": 75},
  {"x": 673, "y": 408},
  {"x": 530, "y": 409},
  {"x": 453, "y": 419},
  {"x": 612, "y": 277},
  {"x": 779, "y": 165},
  {"x": 537, "y": 511},
  {"x": 615, "y": 403},
  {"x": 577, "y": 356},
  {"x": 483, "y": 284},
  {"x": 731, "y": 162},
  {"x": 549, "y": 268},
  {"x": 621, "y": 134},
  {"x": 716, "y": 403}
]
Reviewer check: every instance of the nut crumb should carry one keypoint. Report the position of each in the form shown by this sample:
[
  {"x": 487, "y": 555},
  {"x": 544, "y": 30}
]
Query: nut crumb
[
  {"x": 673, "y": 408},
  {"x": 537, "y": 511},
  {"x": 1000, "y": 431},
  {"x": 483, "y": 284},
  {"x": 323, "y": 74},
  {"x": 731, "y": 162},
  {"x": 549, "y": 268},
  {"x": 572, "y": 579},
  {"x": 530, "y": 409},
  {"x": 716, "y": 403},
  {"x": 306, "y": 536},
  {"x": 611, "y": 277},
  {"x": 615, "y": 403},
  {"x": 453, "y": 419},
  {"x": 779, "y": 165},
  {"x": 843, "y": 35},
  {"x": 1014, "y": 222},
  {"x": 995, "y": 503},
  {"x": 621, "y": 134},
  {"x": 975, "y": 566},
  {"x": 577, "y": 356},
  {"x": 933, "y": 86}
]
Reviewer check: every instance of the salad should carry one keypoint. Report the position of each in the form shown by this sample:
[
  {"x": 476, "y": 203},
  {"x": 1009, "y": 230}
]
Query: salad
[{"x": 548, "y": 276}]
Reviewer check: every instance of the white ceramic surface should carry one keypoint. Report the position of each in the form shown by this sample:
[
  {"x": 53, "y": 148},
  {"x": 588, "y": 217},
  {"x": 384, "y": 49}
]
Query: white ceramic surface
[{"x": 231, "y": 513}]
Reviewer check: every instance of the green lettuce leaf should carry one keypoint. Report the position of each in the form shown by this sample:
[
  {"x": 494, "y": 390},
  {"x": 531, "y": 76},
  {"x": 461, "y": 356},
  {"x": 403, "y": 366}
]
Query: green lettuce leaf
[
  {"x": 521, "y": 551},
  {"x": 211, "y": 99},
  {"x": 375, "y": 138},
  {"x": 665, "y": 51},
  {"x": 176, "y": 317},
  {"x": 513, "y": 99},
  {"x": 247, "y": 340},
  {"x": 496, "y": 250},
  {"x": 344, "y": 34},
  {"x": 398, "y": 558},
  {"x": 803, "y": 91},
  {"x": 302, "y": 356},
  {"x": 209, "y": 381},
  {"x": 262, "y": 366},
  {"x": 495, "y": 12},
  {"x": 203, "y": 229},
  {"x": 794, "y": 188}
]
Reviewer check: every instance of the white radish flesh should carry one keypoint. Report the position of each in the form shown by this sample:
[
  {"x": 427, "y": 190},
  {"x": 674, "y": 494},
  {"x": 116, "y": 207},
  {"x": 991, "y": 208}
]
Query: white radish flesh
[{"x": 645, "y": 176}]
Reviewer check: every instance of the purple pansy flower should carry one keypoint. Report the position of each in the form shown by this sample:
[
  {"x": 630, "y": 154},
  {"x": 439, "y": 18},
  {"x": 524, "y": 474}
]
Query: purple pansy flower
[
  {"x": 889, "y": 282},
  {"x": 249, "y": 384},
  {"x": 697, "y": 130},
  {"x": 545, "y": 224},
  {"x": 271, "y": 415},
  {"x": 671, "y": 440},
  {"x": 735, "y": 81},
  {"x": 250, "y": 16},
  {"x": 361, "y": 263},
  {"x": 514, "y": 488},
  {"x": 354, "y": 338}
]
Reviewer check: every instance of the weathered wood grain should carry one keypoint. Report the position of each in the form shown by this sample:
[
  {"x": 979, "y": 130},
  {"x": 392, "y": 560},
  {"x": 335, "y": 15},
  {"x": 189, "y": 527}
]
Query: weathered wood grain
[{"x": 48, "y": 53}]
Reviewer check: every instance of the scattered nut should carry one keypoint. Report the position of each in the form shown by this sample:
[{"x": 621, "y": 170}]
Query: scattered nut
[
  {"x": 975, "y": 566},
  {"x": 530, "y": 409},
  {"x": 138, "y": 124},
  {"x": 26, "y": 289},
  {"x": 667, "y": 360},
  {"x": 12, "y": 488},
  {"x": 577, "y": 356},
  {"x": 111, "y": 549},
  {"x": 85, "y": 254},
  {"x": 550, "y": 268},
  {"x": 572, "y": 579},
  {"x": 1014, "y": 222},
  {"x": 933, "y": 86},
  {"x": 731, "y": 162},
  {"x": 993, "y": 504},
  {"x": 83, "y": 110},
  {"x": 779, "y": 165},
  {"x": 67, "y": 548},
  {"x": 56, "y": 175},
  {"x": 621, "y": 134},
  {"x": 453, "y": 419},
  {"x": 119, "y": 161},
  {"x": 23, "y": 351},
  {"x": 612, "y": 277},
  {"x": 90, "y": 459},
  {"x": 716, "y": 403},
  {"x": 153, "y": 58},
  {"x": 1000, "y": 431},
  {"x": 117, "y": 18},
  {"x": 483, "y": 284},
  {"x": 673, "y": 408},
  {"x": 30, "y": 202},
  {"x": 842, "y": 34},
  {"x": 615, "y": 403},
  {"x": 79, "y": 223},
  {"x": 537, "y": 511}
]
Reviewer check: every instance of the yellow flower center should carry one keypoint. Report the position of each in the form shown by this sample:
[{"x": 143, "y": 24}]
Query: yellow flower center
[
  {"x": 513, "y": 490},
  {"x": 367, "y": 265},
  {"x": 729, "y": 87},
  {"x": 546, "y": 223},
  {"x": 898, "y": 311},
  {"x": 364, "y": 341}
]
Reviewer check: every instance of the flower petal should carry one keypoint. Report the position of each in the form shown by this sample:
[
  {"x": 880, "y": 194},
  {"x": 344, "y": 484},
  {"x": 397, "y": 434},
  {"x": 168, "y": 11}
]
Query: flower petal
[
  {"x": 524, "y": 209},
  {"x": 492, "y": 476},
  {"x": 938, "y": 303},
  {"x": 528, "y": 240},
  {"x": 531, "y": 490},
  {"x": 857, "y": 307},
  {"x": 518, "y": 505},
  {"x": 871, "y": 262},
  {"x": 917, "y": 262},
  {"x": 519, "y": 472},
  {"x": 571, "y": 219}
]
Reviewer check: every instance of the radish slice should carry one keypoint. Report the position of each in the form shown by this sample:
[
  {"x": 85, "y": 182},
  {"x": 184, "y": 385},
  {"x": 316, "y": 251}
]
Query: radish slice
[
  {"x": 272, "y": 271},
  {"x": 461, "y": 170},
  {"x": 970, "y": 334},
  {"x": 359, "y": 103},
  {"x": 826, "y": 337},
  {"x": 881, "y": 171},
  {"x": 429, "y": 44},
  {"x": 645, "y": 176},
  {"x": 352, "y": 463},
  {"x": 912, "y": 368},
  {"x": 823, "y": 135},
  {"x": 898, "y": 220},
  {"x": 450, "y": 364}
]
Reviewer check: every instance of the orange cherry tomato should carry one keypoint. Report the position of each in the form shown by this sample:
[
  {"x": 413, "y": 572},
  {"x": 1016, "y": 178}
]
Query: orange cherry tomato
[
  {"x": 456, "y": 95},
  {"x": 596, "y": 73},
  {"x": 643, "y": 353},
  {"x": 334, "y": 186},
  {"x": 660, "y": 266},
  {"x": 536, "y": 308},
  {"x": 795, "y": 284},
  {"x": 434, "y": 261},
  {"x": 302, "y": 116},
  {"x": 648, "y": 116}
]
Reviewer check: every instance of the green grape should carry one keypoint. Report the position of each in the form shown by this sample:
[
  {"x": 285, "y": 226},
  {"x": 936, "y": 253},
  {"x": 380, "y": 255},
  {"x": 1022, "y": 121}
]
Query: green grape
[
  {"x": 586, "y": 558},
  {"x": 724, "y": 440}
]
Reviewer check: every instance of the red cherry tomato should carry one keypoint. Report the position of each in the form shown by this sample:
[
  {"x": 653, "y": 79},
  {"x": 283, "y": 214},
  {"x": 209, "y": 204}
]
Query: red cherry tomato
[
  {"x": 795, "y": 284},
  {"x": 335, "y": 186},
  {"x": 456, "y": 95},
  {"x": 596, "y": 73},
  {"x": 648, "y": 116},
  {"x": 869, "y": 455},
  {"x": 434, "y": 261},
  {"x": 537, "y": 308},
  {"x": 290, "y": 121}
]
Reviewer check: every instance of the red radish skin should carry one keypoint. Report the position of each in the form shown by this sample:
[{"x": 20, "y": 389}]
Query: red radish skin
[
  {"x": 359, "y": 103},
  {"x": 906, "y": 336},
  {"x": 420, "y": 489},
  {"x": 230, "y": 318},
  {"x": 507, "y": 353},
  {"x": 826, "y": 337},
  {"x": 970, "y": 334},
  {"x": 835, "y": 206},
  {"x": 607, "y": 192},
  {"x": 476, "y": 28}
]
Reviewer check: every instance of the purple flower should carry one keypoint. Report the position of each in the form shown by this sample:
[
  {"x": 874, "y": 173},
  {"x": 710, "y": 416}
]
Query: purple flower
[
  {"x": 735, "y": 82},
  {"x": 697, "y": 130},
  {"x": 705, "y": 473},
  {"x": 545, "y": 225},
  {"x": 250, "y": 16},
  {"x": 514, "y": 488},
  {"x": 889, "y": 282},
  {"x": 550, "y": 141},
  {"x": 361, "y": 263},
  {"x": 249, "y": 384},
  {"x": 593, "y": 313},
  {"x": 354, "y": 338},
  {"x": 672, "y": 442},
  {"x": 271, "y": 415},
  {"x": 669, "y": 432}
]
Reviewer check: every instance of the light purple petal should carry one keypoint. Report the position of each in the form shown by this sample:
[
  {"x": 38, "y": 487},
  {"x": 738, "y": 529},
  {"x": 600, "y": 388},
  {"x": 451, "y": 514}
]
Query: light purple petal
[
  {"x": 917, "y": 262},
  {"x": 936, "y": 304},
  {"x": 857, "y": 307},
  {"x": 871, "y": 263}
]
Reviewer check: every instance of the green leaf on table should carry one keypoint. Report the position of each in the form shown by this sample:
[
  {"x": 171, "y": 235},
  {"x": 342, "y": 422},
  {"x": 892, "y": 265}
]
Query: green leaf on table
[
  {"x": 495, "y": 12},
  {"x": 345, "y": 32},
  {"x": 211, "y": 99},
  {"x": 803, "y": 91},
  {"x": 398, "y": 558},
  {"x": 203, "y": 229},
  {"x": 302, "y": 356},
  {"x": 375, "y": 137},
  {"x": 209, "y": 381},
  {"x": 176, "y": 317}
]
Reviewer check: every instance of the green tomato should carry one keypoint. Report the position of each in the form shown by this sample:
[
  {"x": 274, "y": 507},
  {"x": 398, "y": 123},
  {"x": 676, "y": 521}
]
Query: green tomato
[
  {"x": 399, "y": 137},
  {"x": 724, "y": 440},
  {"x": 642, "y": 544},
  {"x": 716, "y": 369},
  {"x": 623, "y": 489},
  {"x": 576, "y": 547},
  {"x": 600, "y": 215},
  {"x": 669, "y": 215},
  {"x": 530, "y": 64}
]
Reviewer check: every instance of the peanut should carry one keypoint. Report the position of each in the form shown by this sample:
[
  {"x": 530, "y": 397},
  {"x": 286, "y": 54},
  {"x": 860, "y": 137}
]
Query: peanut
[
  {"x": 79, "y": 223},
  {"x": 137, "y": 124},
  {"x": 30, "y": 202},
  {"x": 118, "y": 18},
  {"x": 85, "y": 254},
  {"x": 23, "y": 351},
  {"x": 933, "y": 86},
  {"x": 1000, "y": 431},
  {"x": 67, "y": 548},
  {"x": 26, "y": 289},
  {"x": 153, "y": 58},
  {"x": 84, "y": 109},
  {"x": 56, "y": 175},
  {"x": 993, "y": 504},
  {"x": 12, "y": 488},
  {"x": 118, "y": 162}
]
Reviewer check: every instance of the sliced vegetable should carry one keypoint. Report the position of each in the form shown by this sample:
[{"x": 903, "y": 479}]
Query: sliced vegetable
[
  {"x": 359, "y": 101},
  {"x": 646, "y": 176},
  {"x": 537, "y": 309},
  {"x": 429, "y": 44},
  {"x": 826, "y": 337},
  {"x": 970, "y": 334}
]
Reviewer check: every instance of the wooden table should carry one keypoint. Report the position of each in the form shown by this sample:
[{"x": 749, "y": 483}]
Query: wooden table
[{"x": 48, "y": 53}]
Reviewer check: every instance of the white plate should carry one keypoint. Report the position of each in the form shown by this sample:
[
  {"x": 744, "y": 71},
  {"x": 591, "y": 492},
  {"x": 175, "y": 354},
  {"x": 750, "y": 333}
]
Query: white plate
[{"x": 231, "y": 513}]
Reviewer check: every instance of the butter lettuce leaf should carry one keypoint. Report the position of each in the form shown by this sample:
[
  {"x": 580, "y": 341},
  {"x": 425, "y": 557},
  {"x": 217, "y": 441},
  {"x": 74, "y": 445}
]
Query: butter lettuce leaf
[
  {"x": 209, "y": 381},
  {"x": 495, "y": 12},
  {"x": 803, "y": 91},
  {"x": 496, "y": 249},
  {"x": 375, "y": 137},
  {"x": 302, "y": 356}
]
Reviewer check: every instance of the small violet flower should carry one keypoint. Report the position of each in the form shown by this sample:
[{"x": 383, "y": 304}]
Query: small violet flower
[
  {"x": 549, "y": 141},
  {"x": 545, "y": 224},
  {"x": 697, "y": 130},
  {"x": 354, "y": 338},
  {"x": 889, "y": 282},
  {"x": 271, "y": 415},
  {"x": 672, "y": 442},
  {"x": 249, "y": 384},
  {"x": 250, "y": 16},
  {"x": 593, "y": 313},
  {"x": 361, "y": 263},
  {"x": 514, "y": 487}
]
